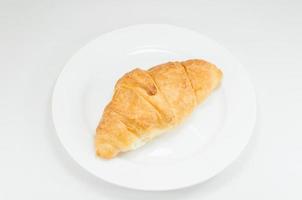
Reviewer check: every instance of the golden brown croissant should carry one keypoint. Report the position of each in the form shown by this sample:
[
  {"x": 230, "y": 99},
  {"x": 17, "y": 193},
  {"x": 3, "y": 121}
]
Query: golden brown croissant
[{"x": 145, "y": 103}]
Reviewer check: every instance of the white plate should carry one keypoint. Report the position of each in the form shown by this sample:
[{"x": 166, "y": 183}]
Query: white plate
[{"x": 197, "y": 150}]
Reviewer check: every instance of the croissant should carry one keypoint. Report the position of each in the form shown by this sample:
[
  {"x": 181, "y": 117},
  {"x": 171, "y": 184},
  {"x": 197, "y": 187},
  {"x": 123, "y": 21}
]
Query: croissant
[{"x": 148, "y": 102}]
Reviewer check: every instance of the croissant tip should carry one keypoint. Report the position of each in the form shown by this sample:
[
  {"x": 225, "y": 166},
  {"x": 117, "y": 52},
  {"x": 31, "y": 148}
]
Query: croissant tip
[{"x": 106, "y": 151}]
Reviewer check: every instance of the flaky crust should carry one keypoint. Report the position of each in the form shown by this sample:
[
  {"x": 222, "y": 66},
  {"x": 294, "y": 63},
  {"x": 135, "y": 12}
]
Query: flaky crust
[{"x": 146, "y": 101}]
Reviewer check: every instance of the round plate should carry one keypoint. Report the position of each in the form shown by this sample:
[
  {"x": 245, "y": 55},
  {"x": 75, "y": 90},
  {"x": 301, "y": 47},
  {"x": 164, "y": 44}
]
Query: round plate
[{"x": 208, "y": 141}]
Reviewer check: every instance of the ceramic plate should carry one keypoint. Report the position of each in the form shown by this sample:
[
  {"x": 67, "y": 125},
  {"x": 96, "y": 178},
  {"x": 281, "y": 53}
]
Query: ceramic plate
[{"x": 207, "y": 142}]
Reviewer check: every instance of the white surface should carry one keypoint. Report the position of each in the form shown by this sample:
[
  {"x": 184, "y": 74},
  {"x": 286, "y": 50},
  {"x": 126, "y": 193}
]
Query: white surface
[
  {"x": 204, "y": 145},
  {"x": 38, "y": 37}
]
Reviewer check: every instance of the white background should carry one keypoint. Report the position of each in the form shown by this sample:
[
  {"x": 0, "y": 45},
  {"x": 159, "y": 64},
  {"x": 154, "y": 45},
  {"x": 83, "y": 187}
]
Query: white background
[{"x": 37, "y": 37}]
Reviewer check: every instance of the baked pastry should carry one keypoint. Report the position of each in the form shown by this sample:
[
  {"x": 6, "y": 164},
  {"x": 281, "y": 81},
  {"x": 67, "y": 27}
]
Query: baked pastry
[{"x": 148, "y": 102}]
